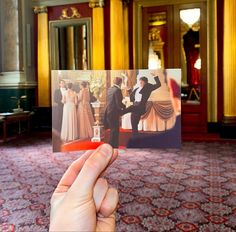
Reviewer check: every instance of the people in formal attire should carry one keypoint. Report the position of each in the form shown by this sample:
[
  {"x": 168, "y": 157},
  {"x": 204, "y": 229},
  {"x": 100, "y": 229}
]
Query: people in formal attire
[
  {"x": 92, "y": 99},
  {"x": 69, "y": 130},
  {"x": 113, "y": 111},
  {"x": 85, "y": 115},
  {"x": 58, "y": 108},
  {"x": 139, "y": 96},
  {"x": 170, "y": 138}
]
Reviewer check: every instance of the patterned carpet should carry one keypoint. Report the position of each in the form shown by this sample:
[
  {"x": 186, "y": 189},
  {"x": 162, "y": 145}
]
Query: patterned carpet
[{"x": 193, "y": 189}]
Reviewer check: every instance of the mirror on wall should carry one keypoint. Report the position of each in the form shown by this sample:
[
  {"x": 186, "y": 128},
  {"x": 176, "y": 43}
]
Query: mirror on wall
[
  {"x": 70, "y": 44},
  {"x": 190, "y": 54},
  {"x": 157, "y": 33}
]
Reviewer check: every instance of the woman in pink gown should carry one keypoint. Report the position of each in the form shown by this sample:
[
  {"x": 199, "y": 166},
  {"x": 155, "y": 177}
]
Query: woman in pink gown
[
  {"x": 85, "y": 116},
  {"x": 69, "y": 130}
]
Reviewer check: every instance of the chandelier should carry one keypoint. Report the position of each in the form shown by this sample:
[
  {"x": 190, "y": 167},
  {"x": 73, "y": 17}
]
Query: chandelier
[{"x": 190, "y": 16}]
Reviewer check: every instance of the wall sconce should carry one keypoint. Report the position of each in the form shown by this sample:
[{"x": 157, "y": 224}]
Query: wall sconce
[{"x": 190, "y": 16}]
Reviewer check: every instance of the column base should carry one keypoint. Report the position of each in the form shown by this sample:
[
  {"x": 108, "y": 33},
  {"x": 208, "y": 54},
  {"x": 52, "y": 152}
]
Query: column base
[{"x": 228, "y": 128}]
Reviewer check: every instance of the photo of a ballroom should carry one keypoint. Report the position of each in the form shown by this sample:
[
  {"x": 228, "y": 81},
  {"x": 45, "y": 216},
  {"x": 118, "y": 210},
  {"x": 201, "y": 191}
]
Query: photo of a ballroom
[{"x": 88, "y": 51}]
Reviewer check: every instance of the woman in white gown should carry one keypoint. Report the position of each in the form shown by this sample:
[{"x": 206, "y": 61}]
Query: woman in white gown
[
  {"x": 69, "y": 129},
  {"x": 85, "y": 116}
]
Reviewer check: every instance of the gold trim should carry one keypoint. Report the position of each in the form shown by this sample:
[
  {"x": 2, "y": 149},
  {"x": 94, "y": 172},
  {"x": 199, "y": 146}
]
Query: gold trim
[
  {"x": 98, "y": 39},
  {"x": 96, "y": 3},
  {"x": 126, "y": 35},
  {"x": 40, "y": 9},
  {"x": 74, "y": 13},
  {"x": 229, "y": 59},
  {"x": 43, "y": 61},
  {"x": 157, "y": 19},
  {"x": 212, "y": 60}
]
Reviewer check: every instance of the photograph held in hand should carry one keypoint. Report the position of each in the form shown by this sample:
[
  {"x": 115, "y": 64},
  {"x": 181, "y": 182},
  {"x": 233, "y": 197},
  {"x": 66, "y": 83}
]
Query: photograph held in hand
[{"x": 125, "y": 108}]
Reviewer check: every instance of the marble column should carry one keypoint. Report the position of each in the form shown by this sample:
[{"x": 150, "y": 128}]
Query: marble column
[
  {"x": 11, "y": 36},
  {"x": 229, "y": 121},
  {"x": 16, "y": 54},
  {"x": 98, "y": 34},
  {"x": 43, "y": 57}
]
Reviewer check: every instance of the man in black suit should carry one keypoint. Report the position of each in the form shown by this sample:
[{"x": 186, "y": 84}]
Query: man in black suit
[
  {"x": 139, "y": 96},
  {"x": 170, "y": 138},
  {"x": 113, "y": 111},
  {"x": 58, "y": 109}
]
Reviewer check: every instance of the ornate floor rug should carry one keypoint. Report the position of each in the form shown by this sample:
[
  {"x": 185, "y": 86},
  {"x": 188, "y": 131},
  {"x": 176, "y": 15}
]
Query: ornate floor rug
[{"x": 192, "y": 189}]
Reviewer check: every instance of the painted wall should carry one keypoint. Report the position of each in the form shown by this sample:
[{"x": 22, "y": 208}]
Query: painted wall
[{"x": 7, "y": 104}]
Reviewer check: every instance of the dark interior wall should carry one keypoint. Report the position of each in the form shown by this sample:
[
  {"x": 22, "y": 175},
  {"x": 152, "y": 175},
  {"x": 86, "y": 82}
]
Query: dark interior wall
[
  {"x": 0, "y": 39},
  {"x": 7, "y": 104}
]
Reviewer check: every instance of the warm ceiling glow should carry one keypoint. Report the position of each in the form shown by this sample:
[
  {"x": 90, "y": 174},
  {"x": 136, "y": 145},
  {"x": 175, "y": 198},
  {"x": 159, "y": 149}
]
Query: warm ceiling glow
[{"x": 190, "y": 16}]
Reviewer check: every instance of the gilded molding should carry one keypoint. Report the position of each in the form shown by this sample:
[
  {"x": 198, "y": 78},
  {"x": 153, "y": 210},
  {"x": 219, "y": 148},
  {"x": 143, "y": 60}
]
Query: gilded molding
[
  {"x": 96, "y": 3},
  {"x": 74, "y": 13},
  {"x": 40, "y": 9}
]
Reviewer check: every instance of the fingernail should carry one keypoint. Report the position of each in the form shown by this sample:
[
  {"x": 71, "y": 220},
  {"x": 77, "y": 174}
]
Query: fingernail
[{"x": 106, "y": 149}]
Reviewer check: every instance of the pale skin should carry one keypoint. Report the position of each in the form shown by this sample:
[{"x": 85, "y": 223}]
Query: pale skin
[
  {"x": 62, "y": 84},
  {"x": 83, "y": 200},
  {"x": 176, "y": 102}
]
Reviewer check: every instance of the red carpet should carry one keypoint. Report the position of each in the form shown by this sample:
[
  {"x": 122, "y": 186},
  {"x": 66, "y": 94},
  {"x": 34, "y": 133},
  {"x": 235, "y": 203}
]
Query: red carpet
[
  {"x": 76, "y": 145},
  {"x": 80, "y": 145},
  {"x": 192, "y": 189},
  {"x": 86, "y": 145}
]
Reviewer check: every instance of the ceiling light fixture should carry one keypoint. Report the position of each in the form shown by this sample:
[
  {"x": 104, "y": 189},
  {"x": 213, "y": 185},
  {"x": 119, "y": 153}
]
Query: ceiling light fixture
[{"x": 190, "y": 16}]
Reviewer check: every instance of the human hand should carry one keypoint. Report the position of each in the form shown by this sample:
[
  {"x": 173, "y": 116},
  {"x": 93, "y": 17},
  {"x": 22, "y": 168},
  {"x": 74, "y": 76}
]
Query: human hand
[
  {"x": 154, "y": 73},
  {"x": 83, "y": 201}
]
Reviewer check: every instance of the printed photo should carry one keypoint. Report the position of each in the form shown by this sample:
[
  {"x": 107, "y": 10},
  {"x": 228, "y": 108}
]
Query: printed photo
[{"x": 125, "y": 108}]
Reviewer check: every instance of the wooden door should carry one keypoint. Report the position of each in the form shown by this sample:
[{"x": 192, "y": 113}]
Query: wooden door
[{"x": 185, "y": 47}]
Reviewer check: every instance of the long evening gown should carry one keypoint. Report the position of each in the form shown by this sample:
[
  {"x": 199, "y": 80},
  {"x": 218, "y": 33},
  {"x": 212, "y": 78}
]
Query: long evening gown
[
  {"x": 85, "y": 116},
  {"x": 69, "y": 130}
]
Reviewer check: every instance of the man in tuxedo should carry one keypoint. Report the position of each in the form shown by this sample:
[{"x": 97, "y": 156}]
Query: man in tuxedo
[
  {"x": 58, "y": 109},
  {"x": 170, "y": 138},
  {"x": 113, "y": 111},
  {"x": 139, "y": 96}
]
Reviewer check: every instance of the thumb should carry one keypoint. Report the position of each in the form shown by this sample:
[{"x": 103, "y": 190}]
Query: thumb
[{"x": 92, "y": 169}]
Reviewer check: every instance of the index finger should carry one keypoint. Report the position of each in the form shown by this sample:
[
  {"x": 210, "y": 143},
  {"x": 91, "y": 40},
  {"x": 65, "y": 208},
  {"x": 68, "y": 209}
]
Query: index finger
[
  {"x": 72, "y": 172},
  {"x": 74, "y": 169},
  {"x": 93, "y": 168}
]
